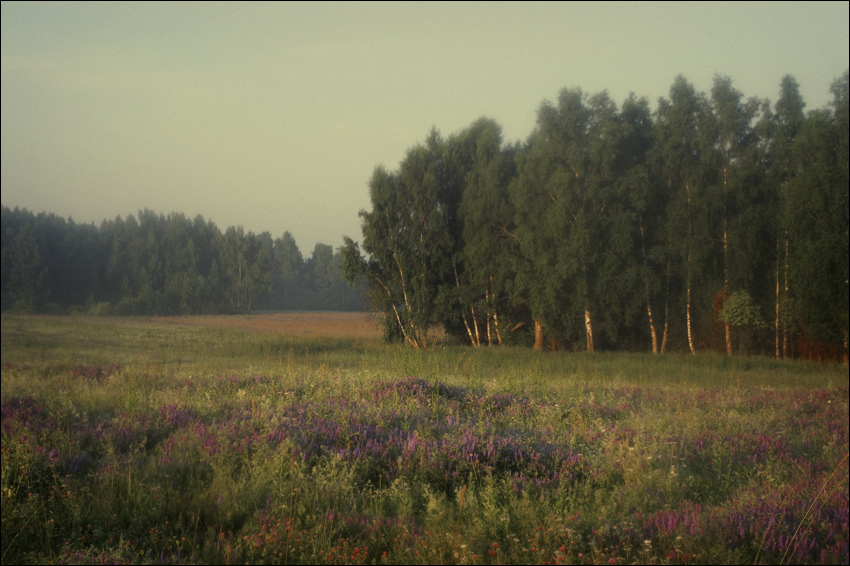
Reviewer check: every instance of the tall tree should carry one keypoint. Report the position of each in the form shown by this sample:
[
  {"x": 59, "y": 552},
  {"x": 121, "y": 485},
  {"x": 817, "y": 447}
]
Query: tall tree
[
  {"x": 244, "y": 265},
  {"x": 288, "y": 259},
  {"x": 645, "y": 201},
  {"x": 730, "y": 155},
  {"x": 681, "y": 125},
  {"x": 483, "y": 262},
  {"x": 615, "y": 145},
  {"x": 408, "y": 236},
  {"x": 840, "y": 89},
  {"x": 816, "y": 217},
  {"x": 573, "y": 225},
  {"x": 322, "y": 263},
  {"x": 287, "y": 272},
  {"x": 539, "y": 227},
  {"x": 781, "y": 129},
  {"x": 183, "y": 284}
]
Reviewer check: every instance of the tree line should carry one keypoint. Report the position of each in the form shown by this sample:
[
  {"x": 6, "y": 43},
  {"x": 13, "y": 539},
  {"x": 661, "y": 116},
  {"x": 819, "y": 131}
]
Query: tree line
[
  {"x": 715, "y": 222},
  {"x": 163, "y": 265}
]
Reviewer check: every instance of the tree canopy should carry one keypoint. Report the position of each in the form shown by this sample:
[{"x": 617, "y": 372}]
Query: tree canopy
[{"x": 616, "y": 227}]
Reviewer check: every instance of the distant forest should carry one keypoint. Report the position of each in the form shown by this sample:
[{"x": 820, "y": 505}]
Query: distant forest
[
  {"x": 162, "y": 265},
  {"x": 715, "y": 223}
]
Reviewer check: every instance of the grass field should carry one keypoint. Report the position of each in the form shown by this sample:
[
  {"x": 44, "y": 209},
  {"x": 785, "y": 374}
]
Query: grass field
[{"x": 300, "y": 438}]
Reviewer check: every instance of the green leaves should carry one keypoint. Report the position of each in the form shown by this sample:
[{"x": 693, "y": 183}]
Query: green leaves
[
  {"x": 741, "y": 311},
  {"x": 607, "y": 213}
]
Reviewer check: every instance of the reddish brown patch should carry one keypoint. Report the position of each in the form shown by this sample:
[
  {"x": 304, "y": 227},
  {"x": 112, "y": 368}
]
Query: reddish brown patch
[
  {"x": 308, "y": 324},
  {"x": 717, "y": 339},
  {"x": 810, "y": 349}
]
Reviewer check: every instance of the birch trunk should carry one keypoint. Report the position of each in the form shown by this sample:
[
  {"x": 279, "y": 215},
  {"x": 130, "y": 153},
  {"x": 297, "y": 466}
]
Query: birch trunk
[
  {"x": 489, "y": 333},
  {"x": 688, "y": 271},
  {"x": 411, "y": 337},
  {"x": 688, "y": 315},
  {"x": 468, "y": 330},
  {"x": 666, "y": 305},
  {"x": 728, "y": 339},
  {"x": 475, "y": 326},
  {"x": 495, "y": 316},
  {"x": 652, "y": 332},
  {"x": 776, "y": 324},
  {"x": 410, "y": 340},
  {"x": 538, "y": 334},
  {"x": 463, "y": 313},
  {"x": 728, "y": 328},
  {"x": 498, "y": 331},
  {"x": 785, "y": 352},
  {"x": 487, "y": 302}
]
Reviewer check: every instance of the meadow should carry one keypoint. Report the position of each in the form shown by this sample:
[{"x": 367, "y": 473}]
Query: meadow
[{"x": 283, "y": 440}]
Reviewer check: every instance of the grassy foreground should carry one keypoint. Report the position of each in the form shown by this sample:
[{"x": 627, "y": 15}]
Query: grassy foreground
[{"x": 163, "y": 441}]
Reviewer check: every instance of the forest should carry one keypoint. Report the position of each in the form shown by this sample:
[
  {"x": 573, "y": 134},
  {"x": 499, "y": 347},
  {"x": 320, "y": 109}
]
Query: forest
[
  {"x": 162, "y": 265},
  {"x": 716, "y": 222}
]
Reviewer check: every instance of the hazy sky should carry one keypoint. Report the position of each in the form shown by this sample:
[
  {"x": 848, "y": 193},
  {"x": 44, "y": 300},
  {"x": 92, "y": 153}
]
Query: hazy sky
[{"x": 273, "y": 116}]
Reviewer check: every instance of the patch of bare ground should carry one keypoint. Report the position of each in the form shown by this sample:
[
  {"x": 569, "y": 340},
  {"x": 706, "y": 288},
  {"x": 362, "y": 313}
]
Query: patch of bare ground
[{"x": 325, "y": 324}]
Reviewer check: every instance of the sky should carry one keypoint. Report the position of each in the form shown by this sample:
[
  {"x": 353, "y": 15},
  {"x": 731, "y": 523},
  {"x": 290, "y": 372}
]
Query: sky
[{"x": 273, "y": 116}]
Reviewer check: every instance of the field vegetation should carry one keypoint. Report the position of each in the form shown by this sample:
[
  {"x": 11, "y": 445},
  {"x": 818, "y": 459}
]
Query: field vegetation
[{"x": 271, "y": 440}]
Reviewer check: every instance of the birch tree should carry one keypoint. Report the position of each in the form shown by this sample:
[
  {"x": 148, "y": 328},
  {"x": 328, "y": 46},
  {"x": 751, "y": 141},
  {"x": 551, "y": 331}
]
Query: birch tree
[
  {"x": 680, "y": 125},
  {"x": 484, "y": 269},
  {"x": 732, "y": 139},
  {"x": 640, "y": 191},
  {"x": 573, "y": 224},
  {"x": 816, "y": 217},
  {"x": 408, "y": 238}
]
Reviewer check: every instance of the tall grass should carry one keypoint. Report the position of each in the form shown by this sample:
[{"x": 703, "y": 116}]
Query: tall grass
[{"x": 142, "y": 441}]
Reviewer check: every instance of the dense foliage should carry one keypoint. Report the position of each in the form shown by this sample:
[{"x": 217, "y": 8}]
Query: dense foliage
[
  {"x": 621, "y": 228},
  {"x": 157, "y": 264}
]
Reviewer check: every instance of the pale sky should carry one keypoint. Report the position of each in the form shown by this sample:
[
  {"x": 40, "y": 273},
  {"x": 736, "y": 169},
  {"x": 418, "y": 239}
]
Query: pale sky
[{"x": 273, "y": 116}]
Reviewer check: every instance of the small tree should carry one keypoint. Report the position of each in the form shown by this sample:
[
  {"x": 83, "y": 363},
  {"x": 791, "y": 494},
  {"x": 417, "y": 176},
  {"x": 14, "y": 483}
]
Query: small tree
[{"x": 741, "y": 312}]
